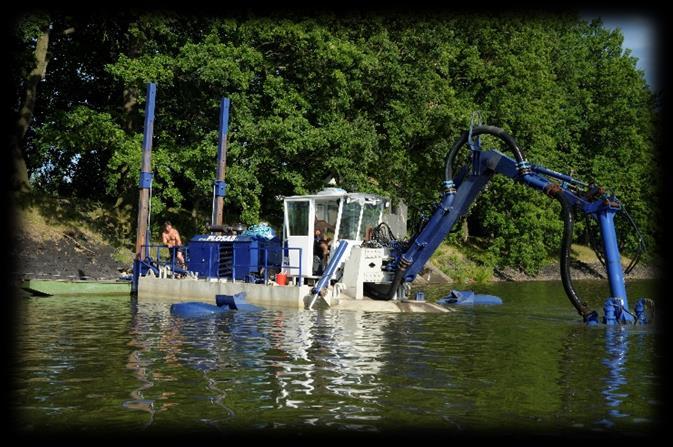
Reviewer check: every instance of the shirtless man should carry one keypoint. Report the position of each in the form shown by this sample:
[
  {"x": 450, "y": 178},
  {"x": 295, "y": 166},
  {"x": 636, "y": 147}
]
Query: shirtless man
[{"x": 171, "y": 237}]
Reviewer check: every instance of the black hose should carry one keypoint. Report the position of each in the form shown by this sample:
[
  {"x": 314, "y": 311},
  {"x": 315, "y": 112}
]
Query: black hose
[
  {"x": 480, "y": 130},
  {"x": 641, "y": 243},
  {"x": 568, "y": 223}
]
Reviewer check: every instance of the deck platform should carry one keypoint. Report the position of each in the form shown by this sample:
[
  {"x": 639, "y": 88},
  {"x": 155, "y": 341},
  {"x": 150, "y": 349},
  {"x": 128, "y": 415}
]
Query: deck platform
[{"x": 180, "y": 290}]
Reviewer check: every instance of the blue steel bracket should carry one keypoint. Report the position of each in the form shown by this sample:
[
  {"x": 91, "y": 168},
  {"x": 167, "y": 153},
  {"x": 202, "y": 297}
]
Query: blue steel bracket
[
  {"x": 220, "y": 188},
  {"x": 524, "y": 167},
  {"x": 145, "y": 180},
  {"x": 449, "y": 186},
  {"x": 602, "y": 204},
  {"x": 595, "y": 203}
]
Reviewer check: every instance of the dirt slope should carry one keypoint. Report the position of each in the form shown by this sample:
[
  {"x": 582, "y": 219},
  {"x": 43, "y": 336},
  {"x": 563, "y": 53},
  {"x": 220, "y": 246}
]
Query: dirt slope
[{"x": 65, "y": 247}]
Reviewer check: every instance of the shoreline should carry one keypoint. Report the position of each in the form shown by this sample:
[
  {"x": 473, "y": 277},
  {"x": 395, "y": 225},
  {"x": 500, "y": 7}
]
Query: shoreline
[
  {"x": 551, "y": 272},
  {"x": 64, "y": 259},
  {"x": 74, "y": 254},
  {"x": 578, "y": 270}
]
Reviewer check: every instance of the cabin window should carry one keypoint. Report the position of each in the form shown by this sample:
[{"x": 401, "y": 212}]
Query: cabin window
[
  {"x": 326, "y": 212},
  {"x": 297, "y": 216},
  {"x": 350, "y": 216},
  {"x": 370, "y": 218}
]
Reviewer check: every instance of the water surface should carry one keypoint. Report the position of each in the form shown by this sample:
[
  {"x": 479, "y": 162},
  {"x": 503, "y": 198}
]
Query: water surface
[{"x": 107, "y": 362}]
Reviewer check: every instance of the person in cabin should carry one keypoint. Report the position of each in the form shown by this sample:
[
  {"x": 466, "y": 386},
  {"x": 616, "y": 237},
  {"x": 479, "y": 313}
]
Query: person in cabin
[
  {"x": 324, "y": 249},
  {"x": 320, "y": 251},
  {"x": 317, "y": 252},
  {"x": 171, "y": 238}
]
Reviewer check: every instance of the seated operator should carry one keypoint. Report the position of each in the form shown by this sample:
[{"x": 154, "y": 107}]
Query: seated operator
[{"x": 321, "y": 246}]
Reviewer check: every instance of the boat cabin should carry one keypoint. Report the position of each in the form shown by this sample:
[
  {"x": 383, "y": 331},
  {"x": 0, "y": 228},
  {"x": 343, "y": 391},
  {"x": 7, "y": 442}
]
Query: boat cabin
[{"x": 326, "y": 218}]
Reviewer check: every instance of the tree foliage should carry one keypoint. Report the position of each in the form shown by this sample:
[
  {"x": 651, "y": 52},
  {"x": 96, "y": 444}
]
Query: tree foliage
[{"x": 374, "y": 101}]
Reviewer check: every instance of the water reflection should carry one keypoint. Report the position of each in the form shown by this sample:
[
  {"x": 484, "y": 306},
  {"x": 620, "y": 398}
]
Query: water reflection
[
  {"x": 139, "y": 365},
  {"x": 525, "y": 365},
  {"x": 283, "y": 358},
  {"x": 347, "y": 369},
  {"x": 616, "y": 350},
  {"x": 600, "y": 379}
]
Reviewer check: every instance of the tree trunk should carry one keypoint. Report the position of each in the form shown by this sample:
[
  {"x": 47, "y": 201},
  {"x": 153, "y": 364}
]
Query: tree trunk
[
  {"x": 130, "y": 94},
  {"x": 130, "y": 101},
  {"x": 20, "y": 178}
]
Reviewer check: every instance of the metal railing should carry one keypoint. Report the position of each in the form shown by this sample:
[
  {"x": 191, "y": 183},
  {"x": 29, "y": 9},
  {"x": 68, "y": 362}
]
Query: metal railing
[
  {"x": 173, "y": 257},
  {"x": 169, "y": 262},
  {"x": 283, "y": 266}
]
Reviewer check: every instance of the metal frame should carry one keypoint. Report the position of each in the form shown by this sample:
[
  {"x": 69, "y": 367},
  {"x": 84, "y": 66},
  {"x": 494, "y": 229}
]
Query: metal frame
[{"x": 456, "y": 202}]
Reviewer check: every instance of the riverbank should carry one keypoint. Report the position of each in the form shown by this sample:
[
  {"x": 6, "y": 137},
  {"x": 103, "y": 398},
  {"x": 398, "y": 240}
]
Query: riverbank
[
  {"x": 450, "y": 264},
  {"x": 61, "y": 239},
  {"x": 578, "y": 270}
]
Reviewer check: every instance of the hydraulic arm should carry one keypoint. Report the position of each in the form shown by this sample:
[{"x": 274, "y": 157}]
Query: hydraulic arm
[{"x": 461, "y": 190}]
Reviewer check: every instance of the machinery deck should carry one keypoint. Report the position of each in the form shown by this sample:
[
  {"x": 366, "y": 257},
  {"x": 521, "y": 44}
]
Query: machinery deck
[{"x": 181, "y": 290}]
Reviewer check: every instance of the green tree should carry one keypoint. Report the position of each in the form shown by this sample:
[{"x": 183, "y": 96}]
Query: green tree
[{"x": 374, "y": 101}]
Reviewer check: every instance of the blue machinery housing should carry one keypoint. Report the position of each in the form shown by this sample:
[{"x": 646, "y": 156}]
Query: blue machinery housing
[
  {"x": 238, "y": 257},
  {"x": 213, "y": 256},
  {"x": 243, "y": 257},
  {"x": 233, "y": 257}
]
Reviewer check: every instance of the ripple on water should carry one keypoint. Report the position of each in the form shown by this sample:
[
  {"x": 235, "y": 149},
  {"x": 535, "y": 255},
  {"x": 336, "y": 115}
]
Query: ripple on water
[{"x": 527, "y": 363}]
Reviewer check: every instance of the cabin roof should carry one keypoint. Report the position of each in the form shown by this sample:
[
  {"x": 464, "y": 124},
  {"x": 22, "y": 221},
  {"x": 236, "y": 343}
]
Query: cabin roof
[{"x": 334, "y": 193}]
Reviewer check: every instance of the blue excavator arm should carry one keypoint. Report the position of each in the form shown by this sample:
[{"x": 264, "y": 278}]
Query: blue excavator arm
[{"x": 462, "y": 191}]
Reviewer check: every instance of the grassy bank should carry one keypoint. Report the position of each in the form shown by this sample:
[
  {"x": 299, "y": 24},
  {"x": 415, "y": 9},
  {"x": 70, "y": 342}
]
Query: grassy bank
[
  {"x": 69, "y": 236},
  {"x": 468, "y": 263},
  {"x": 462, "y": 264}
]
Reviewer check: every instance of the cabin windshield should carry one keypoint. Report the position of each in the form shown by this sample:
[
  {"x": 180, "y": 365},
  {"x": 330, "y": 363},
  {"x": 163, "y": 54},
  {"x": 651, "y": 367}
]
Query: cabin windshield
[
  {"x": 350, "y": 217},
  {"x": 370, "y": 219}
]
